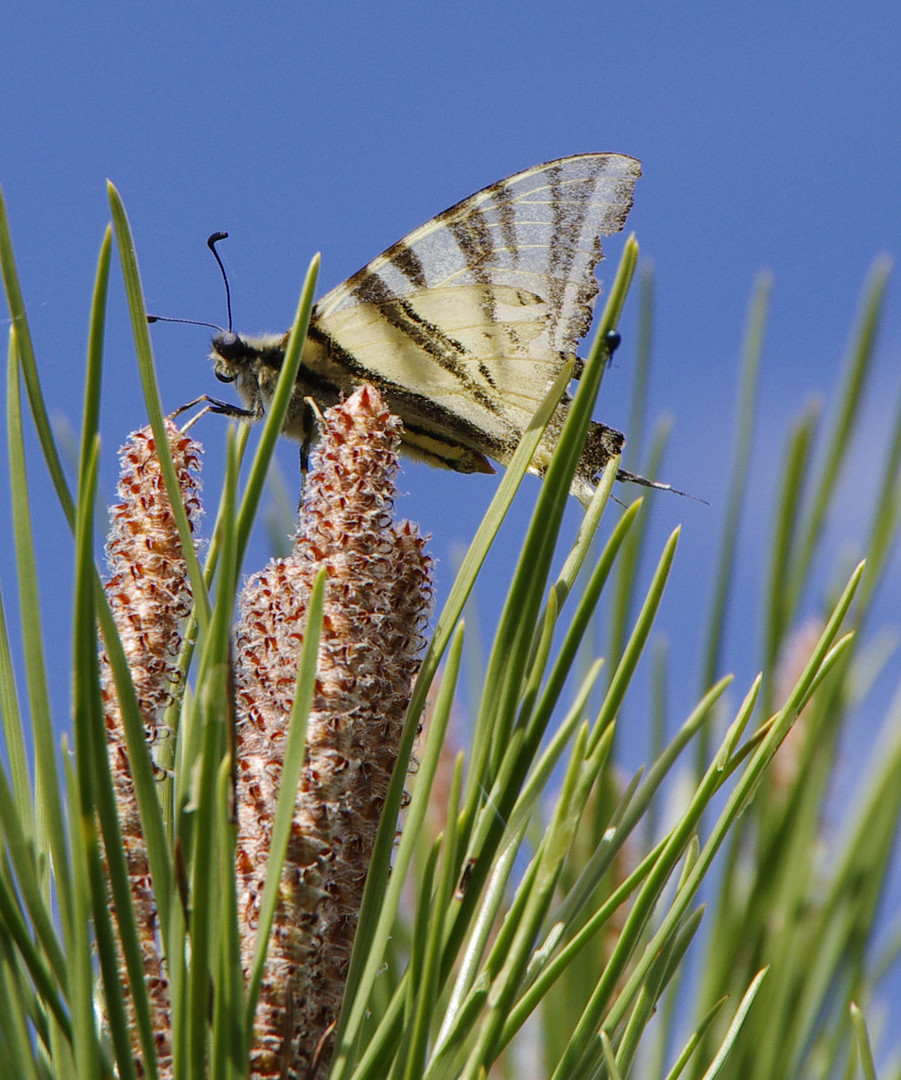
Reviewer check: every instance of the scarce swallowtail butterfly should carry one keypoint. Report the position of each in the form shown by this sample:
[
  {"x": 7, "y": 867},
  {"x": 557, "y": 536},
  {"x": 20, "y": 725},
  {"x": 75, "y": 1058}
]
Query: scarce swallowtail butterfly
[{"x": 464, "y": 324}]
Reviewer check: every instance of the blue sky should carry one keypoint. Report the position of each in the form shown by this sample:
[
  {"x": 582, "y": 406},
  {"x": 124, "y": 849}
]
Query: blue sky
[{"x": 770, "y": 136}]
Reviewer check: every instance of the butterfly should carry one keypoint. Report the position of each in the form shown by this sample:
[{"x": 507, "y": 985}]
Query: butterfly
[{"x": 463, "y": 325}]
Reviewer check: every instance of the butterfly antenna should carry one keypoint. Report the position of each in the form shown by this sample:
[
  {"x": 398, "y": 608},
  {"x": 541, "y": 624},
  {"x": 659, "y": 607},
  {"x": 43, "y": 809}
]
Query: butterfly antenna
[
  {"x": 211, "y": 244},
  {"x": 190, "y": 322}
]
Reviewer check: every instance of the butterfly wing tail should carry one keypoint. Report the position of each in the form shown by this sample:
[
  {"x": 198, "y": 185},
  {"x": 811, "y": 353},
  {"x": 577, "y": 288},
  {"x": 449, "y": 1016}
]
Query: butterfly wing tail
[{"x": 601, "y": 445}]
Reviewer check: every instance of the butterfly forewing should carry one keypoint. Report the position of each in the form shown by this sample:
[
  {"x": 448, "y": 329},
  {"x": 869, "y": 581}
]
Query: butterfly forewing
[
  {"x": 467, "y": 321},
  {"x": 537, "y": 231}
]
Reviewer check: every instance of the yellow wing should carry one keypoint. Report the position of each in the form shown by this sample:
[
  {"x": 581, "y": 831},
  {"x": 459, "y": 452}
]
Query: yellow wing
[{"x": 466, "y": 322}]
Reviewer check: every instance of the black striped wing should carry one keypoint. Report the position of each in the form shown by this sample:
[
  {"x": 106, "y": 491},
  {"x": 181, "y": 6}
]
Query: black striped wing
[{"x": 465, "y": 323}]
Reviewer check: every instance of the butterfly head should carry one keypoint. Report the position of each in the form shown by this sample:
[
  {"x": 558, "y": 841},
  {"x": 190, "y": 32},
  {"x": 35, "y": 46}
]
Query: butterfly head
[
  {"x": 252, "y": 364},
  {"x": 233, "y": 360},
  {"x": 231, "y": 355}
]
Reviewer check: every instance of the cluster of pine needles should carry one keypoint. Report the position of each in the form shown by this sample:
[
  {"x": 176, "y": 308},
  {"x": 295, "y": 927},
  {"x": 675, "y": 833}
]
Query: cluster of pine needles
[{"x": 267, "y": 851}]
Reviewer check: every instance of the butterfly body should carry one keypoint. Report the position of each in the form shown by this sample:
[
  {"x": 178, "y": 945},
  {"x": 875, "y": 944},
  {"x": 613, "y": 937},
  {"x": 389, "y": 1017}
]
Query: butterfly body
[{"x": 464, "y": 324}]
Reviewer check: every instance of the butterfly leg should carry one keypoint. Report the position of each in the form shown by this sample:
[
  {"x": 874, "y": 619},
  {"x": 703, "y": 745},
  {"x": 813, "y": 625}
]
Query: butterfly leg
[
  {"x": 310, "y": 421},
  {"x": 211, "y": 404},
  {"x": 311, "y": 418}
]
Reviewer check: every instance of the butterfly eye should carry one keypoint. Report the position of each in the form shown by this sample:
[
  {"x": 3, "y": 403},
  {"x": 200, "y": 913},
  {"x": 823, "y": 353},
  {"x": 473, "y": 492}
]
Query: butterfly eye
[
  {"x": 228, "y": 345},
  {"x": 224, "y": 378}
]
